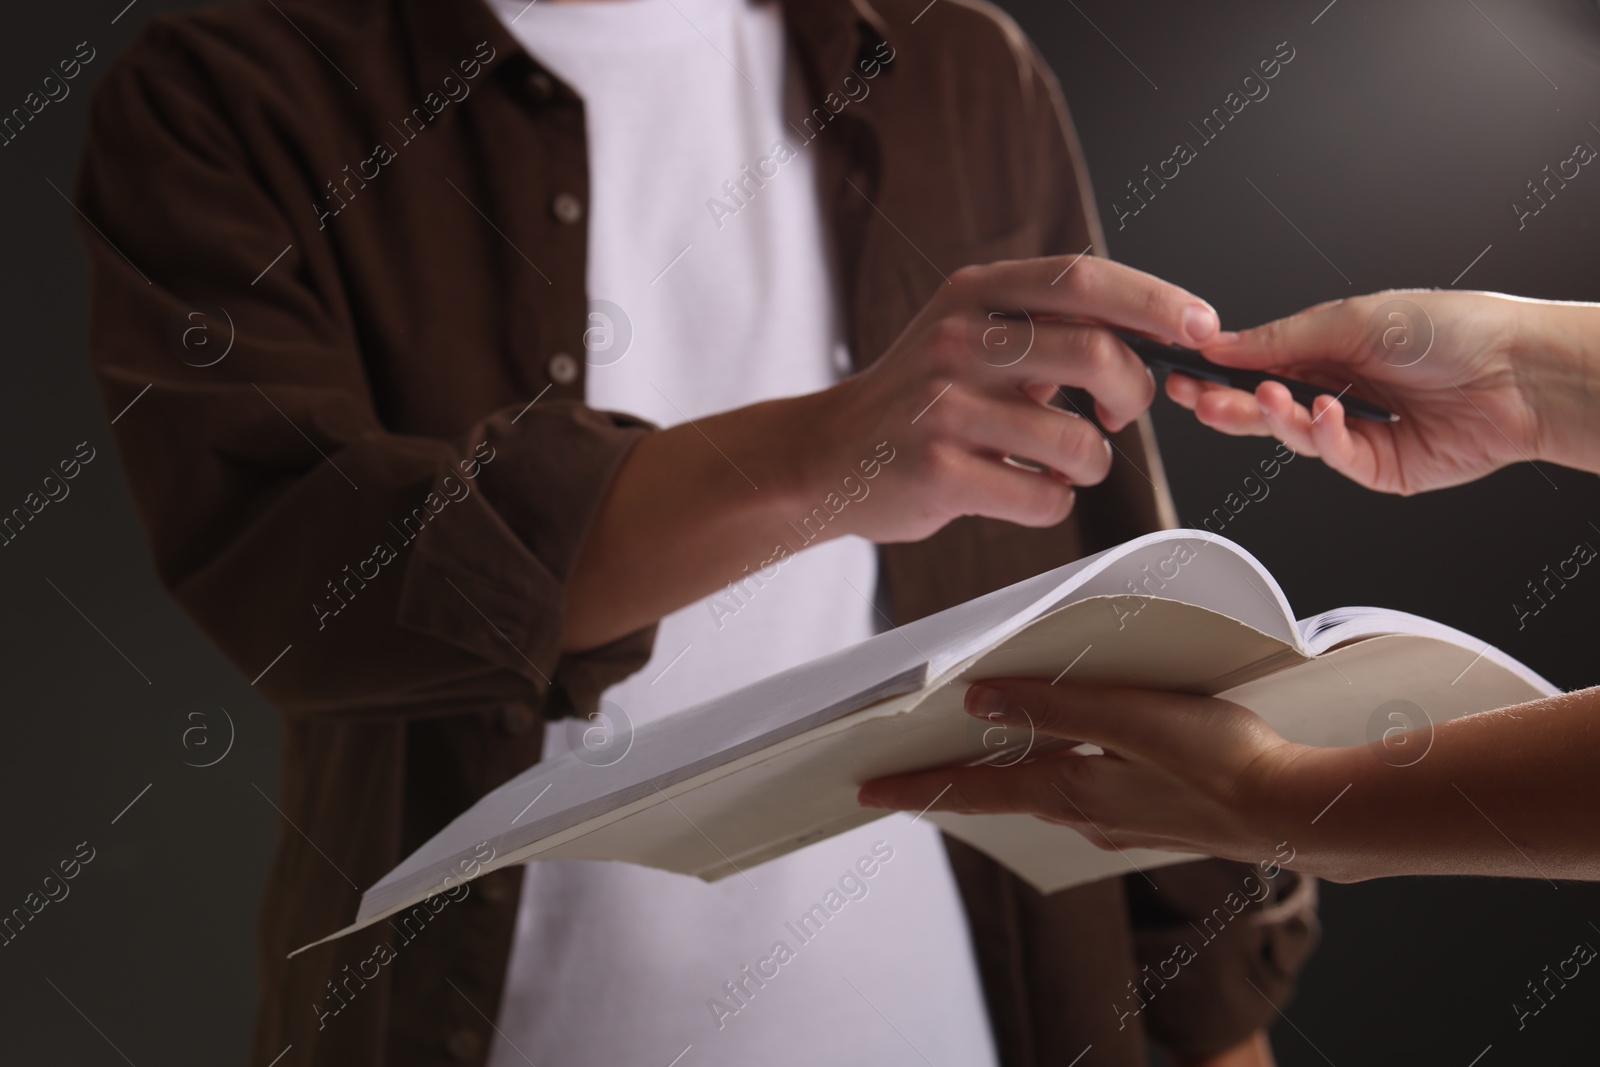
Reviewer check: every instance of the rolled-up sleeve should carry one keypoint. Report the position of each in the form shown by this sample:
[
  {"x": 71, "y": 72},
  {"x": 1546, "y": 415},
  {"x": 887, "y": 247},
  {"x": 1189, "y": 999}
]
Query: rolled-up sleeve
[{"x": 374, "y": 572}]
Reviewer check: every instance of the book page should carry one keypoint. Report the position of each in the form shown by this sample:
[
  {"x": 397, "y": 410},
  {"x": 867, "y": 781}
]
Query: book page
[
  {"x": 1335, "y": 627},
  {"x": 1201, "y": 569}
]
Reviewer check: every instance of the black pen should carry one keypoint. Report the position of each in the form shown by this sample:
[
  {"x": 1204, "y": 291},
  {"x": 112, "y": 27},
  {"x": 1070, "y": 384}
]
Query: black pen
[{"x": 1189, "y": 362}]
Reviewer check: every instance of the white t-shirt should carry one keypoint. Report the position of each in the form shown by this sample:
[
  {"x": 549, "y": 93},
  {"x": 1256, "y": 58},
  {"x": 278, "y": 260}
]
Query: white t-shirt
[{"x": 852, "y": 951}]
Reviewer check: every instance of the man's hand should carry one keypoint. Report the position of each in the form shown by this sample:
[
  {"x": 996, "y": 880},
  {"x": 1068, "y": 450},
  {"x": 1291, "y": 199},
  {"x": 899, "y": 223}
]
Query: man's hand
[
  {"x": 968, "y": 383},
  {"x": 964, "y": 387},
  {"x": 1473, "y": 377}
]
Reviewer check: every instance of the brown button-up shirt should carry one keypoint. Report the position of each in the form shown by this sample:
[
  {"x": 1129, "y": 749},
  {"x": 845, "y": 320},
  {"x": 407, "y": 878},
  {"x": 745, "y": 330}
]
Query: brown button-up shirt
[{"x": 342, "y": 243}]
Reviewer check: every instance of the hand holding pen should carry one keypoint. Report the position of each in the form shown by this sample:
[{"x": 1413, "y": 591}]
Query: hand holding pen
[
  {"x": 1479, "y": 381},
  {"x": 1192, "y": 363}
]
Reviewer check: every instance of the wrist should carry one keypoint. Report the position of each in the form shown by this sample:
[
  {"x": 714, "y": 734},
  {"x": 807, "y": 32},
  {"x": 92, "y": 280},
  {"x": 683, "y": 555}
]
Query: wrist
[
  {"x": 793, "y": 447},
  {"x": 1290, "y": 796},
  {"x": 1555, "y": 356},
  {"x": 833, "y": 465}
]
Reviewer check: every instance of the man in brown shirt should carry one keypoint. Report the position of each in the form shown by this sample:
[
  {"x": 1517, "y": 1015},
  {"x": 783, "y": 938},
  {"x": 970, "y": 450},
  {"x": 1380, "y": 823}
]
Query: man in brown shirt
[{"x": 315, "y": 378}]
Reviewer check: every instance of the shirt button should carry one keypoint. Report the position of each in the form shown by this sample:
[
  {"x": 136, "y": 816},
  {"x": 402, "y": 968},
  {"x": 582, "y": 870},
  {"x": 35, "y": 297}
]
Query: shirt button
[
  {"x": 517, "y": 719},
  {"x": 567, "y": 208},
  {"x": 464, "y": 1045},
  {"x": 562, "y": 368},
  {"x": 541, "y": 85}
]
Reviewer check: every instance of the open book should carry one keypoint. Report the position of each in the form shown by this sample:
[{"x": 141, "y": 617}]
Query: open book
[{"x": 773, "y": 767}]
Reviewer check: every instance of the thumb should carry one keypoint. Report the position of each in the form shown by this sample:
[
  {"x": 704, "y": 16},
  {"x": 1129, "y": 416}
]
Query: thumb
[{"x": 1331, "y": 333}]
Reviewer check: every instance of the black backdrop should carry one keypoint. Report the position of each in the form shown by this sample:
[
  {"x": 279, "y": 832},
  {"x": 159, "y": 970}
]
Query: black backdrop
[{"x": 1395, "y": 140}]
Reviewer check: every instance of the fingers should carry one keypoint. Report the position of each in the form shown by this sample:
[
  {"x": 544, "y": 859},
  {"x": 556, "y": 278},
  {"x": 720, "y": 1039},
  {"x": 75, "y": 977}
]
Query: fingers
[
  {"x": 1095, "y": 289},
  {"x": 991, "y": 790},
  {"x": 978, "y": 485},
  {"x": 1288, "y": 421},
  {"x": 1002, "y": 417},
  {"x": 1327, "y": 333},
  {"x": 1039, "y": 789},
  {"x": 1058, "y": 439},
  {"x": 1323, "y": 431},
  {"x": 1093, "y": 359},
  {"x": 1226, "y": 410},
  {"x": 1048, "y": 353},
  {"x": 1110, "y": 718},
  {"x": 1184, "y": 390},
  {"x": 1167, "y": 729}
]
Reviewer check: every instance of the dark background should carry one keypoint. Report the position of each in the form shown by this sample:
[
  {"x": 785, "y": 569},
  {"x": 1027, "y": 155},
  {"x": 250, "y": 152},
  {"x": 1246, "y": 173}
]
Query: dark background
[{"x": 1395, "y": 140}]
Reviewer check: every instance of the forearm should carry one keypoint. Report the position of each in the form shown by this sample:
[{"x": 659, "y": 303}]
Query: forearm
[
  {"x": 1506, "y": 793},
  {"x": 691, "y": 509},
  {"x": 1556, "y": 356}
]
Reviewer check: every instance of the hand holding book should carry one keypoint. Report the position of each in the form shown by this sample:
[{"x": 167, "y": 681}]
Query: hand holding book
[
  {"x": 1186, "y": 773},
  {"x": 1176, "y": 772}
]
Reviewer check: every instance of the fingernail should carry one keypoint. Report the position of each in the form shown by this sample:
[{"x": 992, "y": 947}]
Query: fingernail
[
  {"x": 1200, "y": 323},
  {"x": 986, "y": 702},
  {"x": 869, "y": 799},
  {"x": 1226, "y": 337}
]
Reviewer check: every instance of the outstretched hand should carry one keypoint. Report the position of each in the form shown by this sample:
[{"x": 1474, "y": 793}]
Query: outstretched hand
[{"x": 1443, "y": 361}]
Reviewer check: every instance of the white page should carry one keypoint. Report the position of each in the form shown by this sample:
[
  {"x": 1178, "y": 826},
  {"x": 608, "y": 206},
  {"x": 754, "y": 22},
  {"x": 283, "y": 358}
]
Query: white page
[
  {"x": 1338, "y": 625},
  {"x": 1219, "y": 576}
]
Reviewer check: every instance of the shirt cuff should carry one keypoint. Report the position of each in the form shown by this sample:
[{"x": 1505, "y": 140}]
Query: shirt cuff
[{"x": 494, "y": 581}]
